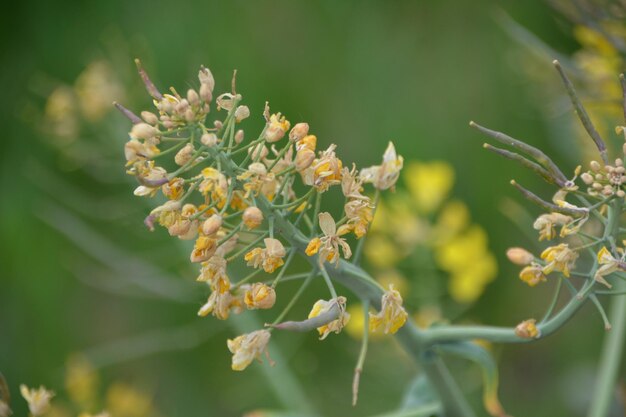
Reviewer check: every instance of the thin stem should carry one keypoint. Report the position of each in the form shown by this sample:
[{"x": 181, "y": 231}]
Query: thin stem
[
  {"x": 555, "y": 299},
  {"x": 247, "y": 278},
  {"x": 247, "y": 247},
  {"x": 329, "y": 282},
  {"x": 362, "y": 354},
  {"x": 280, "y": 275}
]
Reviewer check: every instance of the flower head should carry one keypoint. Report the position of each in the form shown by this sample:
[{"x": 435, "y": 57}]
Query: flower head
[
  {"x": 248, "y": 347},
  {"x": 392, "y": 315}
]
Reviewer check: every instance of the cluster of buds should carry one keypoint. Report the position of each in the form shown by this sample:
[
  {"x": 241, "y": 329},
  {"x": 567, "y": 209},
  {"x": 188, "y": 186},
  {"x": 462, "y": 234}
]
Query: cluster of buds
[
  {"x": 229, "y": 195},
  {"x": 605, "y": 180}
]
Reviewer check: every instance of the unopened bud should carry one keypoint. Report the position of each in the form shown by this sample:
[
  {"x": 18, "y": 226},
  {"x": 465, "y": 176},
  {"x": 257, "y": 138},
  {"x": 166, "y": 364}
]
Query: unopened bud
[
  {"x": 252, "y": 217},
  {"x": 189, "y": 115},
  {"x": 595, "y": 165},
  {"x": 143, "y": 131},
  {"x": 184, "y": 155},
  {"x": 192, "y": 97},
  {"x": 149, "y": 117},
  {"x": 206, "y": 93},
  {"x": 241, "y": 113},
  {"x": 209, "y": 139},
  {"x": 519, "y": 256},
  {"x": 212, "y": 224},
  {"x": 587, "y": 178},
  {"x": 206, "y": 77},
  {"x": 299, "y": 131},
  {"x": 239, "y": 137}
]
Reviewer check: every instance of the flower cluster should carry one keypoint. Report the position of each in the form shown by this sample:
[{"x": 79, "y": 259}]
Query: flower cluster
[{"x": 235, "y": 199}]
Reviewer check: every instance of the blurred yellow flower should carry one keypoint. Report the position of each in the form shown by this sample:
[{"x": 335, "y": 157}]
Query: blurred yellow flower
[
  {"x": 81, "y": 382},
  {"x": 123, "y": 400},
  {"x": 429, "y": 183}
]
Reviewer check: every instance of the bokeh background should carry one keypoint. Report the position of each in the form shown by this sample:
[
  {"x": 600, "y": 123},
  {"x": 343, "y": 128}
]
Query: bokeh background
[{"x": 81, "y": 279}]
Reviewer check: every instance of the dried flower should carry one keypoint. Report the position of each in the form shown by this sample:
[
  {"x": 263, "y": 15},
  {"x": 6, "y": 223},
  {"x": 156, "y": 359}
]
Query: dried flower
[
  {"x": 260, "y": 296},
  {"x": 532, "y": 274},
  {"x": 322, "y": 306},
  {"x": 384, "y": 176},
  {"x": 252, "y": 217},
  {"x": 609, "y": 264},
  {"x": 528, "y": 330},
  {"x": 559, "y": 258},
  {"x": 392, "y": 315},
  {"x": 329, "y": 244},
  {"x": 269, "y": 258},
  {"x": 276, "y": 128},
  {"x": 248, "y": 347},
  {"x": 38, "y": 399}
]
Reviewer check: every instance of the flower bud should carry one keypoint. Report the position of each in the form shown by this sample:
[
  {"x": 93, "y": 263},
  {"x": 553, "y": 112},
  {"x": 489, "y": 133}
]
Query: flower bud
[
  {"x": 252, "y": 217},
  {"x": 209, "y": 139},
  {"x": 206, "y": 94},
  {"x": 307, "y": 142},
  {"x": 587, "y": 178},
  {"x": 206, "y": 78},
  {"x": 239, "y": 136},
  {"x": 527, "y": 329},
  {"x": 184, "y": 155},
  {"x": 241, "y": 113},
  {"x": 519, "y": 256},
  {"x": 304, "y": 159},
  {"x": 143, "y": 131},
  {"x": 149, "y": 117},
  {"x": 192, "y": 97},
  {"x": 212, "y": 225},
  {"x": 595, "y": 165},
  {"x": 299, "y": 131},
  {"x": 260, "y": 296}
]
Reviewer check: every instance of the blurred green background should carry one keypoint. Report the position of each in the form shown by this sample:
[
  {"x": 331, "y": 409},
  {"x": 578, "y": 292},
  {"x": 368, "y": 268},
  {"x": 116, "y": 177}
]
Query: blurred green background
[{"x": 361, "y": 73}]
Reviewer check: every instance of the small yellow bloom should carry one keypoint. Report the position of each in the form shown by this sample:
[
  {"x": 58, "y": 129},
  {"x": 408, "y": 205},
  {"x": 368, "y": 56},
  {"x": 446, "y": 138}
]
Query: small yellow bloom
[
  {"x": 124, "y": 400},
  {"x": 38, "y": 399},
  {"x": 81, "y": 381},
  {"x": 324, "y": 171},
  {"x": 392, "y": 315},
  {"x": 269, "y": 258},
  {"x": 609, "y": 264},
  {"x": 546, "y": 224},
  {"x": 248, "y": 347},
  {"x": 313, "y": 247},
  {"x": 532, "y": 274},
  {"x": 173, "y": 190},
  {"x": 204, "y": 248},
  {"x": 329, "y": 244},
  {"x": 220, "y": 305},
  {"x": 559, "y": 258},
  {"x": 322, "y": 306},
  {"x": 260, "y": 296},
  {"x": 528, "y": 329}
]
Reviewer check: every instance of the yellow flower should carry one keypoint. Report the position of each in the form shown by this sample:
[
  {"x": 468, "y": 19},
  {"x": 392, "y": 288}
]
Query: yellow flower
[
  {"x": 269, "y": 258},
  {"x": 213, "y": 271},
  {"x": 392, "y": 315},
  {"x": 248, "y": 347},
  {"x": 220, "y": 304},
  {"x": 429, "y": 183},
  {"x": 260, "y": 296},
  {"x": 325, "y": 171},
  {"x": 203, "y": 249},
  {"x": 322, "y": 306},
  {"x": 38, "y": 399},
  {"x": 381, "y": 252},
  {"x": 395, "y": 278},
  {"x": 360, "y": 214},
  {"x": 384, "y": 176},
  {"x": 122, "y": 400},
  {"x": 173, "y": 190},
  {"x": 329, "y": 244},
  {"x": 532, "y": 274},
  {"x": 528, "y": 329},
  {"x": 609, "y": 264},
  {"x": 81, "y": 381},
  {"x": 559, "y": 258}
]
